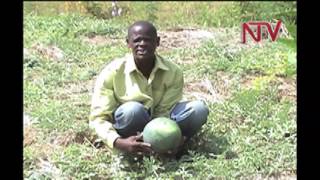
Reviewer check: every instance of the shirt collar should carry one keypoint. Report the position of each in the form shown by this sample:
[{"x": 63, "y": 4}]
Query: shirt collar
[{"x": 131, "y": 65}]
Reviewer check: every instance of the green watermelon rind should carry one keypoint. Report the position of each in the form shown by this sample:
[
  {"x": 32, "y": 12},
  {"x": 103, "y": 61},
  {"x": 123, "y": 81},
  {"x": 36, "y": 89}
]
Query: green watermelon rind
[{"x": 163, "y": 134}]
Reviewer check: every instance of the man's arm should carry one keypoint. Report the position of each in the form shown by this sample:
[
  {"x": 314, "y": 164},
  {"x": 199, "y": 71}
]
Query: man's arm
[
  {"x": 101, "y": 117},
  {"x": 102, "y": 106}
]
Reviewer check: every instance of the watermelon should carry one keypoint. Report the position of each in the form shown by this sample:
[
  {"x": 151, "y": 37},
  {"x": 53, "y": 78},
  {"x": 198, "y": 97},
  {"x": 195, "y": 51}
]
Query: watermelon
[{"x": 163, "y": 134}]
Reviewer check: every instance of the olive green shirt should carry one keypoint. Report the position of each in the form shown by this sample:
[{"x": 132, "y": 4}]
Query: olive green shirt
[{"x": 121, "y": 81}]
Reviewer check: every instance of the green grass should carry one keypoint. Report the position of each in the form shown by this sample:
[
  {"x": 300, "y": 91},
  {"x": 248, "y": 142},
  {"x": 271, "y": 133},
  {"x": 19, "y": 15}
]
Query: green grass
[{"x": 251, "y": 132}]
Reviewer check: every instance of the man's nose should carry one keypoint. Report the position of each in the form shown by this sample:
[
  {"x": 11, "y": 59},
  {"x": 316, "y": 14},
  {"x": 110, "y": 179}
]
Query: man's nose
[{"x": 142, "y": 43}]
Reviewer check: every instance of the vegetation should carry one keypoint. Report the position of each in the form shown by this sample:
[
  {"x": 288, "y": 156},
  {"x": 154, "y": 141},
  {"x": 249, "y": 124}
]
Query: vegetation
[{"x": 250, "y": 89}]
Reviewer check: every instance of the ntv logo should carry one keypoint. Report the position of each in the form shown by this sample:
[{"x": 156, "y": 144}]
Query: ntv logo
[{"x": 260, "y": 28}]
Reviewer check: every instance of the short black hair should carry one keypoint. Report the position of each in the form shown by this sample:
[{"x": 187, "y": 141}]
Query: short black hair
[{"x": 145, "y": 24}]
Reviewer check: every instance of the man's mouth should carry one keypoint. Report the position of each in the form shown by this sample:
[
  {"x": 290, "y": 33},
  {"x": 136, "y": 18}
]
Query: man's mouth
[{"x": 141, "y": 51}]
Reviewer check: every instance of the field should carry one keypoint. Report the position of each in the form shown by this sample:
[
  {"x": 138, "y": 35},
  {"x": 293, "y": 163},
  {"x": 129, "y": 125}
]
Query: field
[{"x": 250, "y": 89}]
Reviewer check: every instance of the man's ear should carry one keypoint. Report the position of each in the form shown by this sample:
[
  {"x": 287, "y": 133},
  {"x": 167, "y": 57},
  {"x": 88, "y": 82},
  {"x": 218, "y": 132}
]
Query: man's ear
[
  {"x": 158, "y": 41},
  {"x": 127, "y": 40}
]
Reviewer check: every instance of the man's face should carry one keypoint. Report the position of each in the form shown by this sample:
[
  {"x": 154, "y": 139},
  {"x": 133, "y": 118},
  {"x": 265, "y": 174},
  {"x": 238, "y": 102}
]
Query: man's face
[{"x": 143, "y": 42}]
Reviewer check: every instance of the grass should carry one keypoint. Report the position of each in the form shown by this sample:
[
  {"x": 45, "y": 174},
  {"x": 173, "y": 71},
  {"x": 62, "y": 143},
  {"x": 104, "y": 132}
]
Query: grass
[{"x": 250, "y": 133}]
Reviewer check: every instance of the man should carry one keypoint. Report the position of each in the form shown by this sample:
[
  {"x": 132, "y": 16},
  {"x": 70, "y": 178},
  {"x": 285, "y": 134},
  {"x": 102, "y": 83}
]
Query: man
[{"x": 133, "y": 90}]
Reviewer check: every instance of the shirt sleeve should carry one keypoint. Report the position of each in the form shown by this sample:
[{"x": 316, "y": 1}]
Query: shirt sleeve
[
  {"x": 102, "y": 106},
  {"x": 171, "y": 96}
]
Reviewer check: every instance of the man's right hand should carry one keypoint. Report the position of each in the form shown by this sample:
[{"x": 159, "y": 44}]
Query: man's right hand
[{"x": 133, "y": 144}]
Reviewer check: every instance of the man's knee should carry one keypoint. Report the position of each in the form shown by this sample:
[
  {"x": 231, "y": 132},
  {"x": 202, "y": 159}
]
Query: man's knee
[
  {"x": 130, "y": 108},
  {"x": 190, "y": 116},
  {"x": 201, "y": 111},
  {"x": 130, "y": 117}
]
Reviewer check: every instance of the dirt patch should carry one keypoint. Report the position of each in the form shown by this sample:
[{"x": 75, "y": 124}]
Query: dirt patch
[
  {"x": 287, "y": 88},
  {"x": 247, "y": 81},
  {"x": 188, "y": 37},
  {"x": 169, "y": 39},
  {"x": 229, "y": 41},
  {"x": 48, "y": 51},
  {"x": 213, "y": 91},
  {"x": 30, "y": 135},
  {"x": 68, "y": 137},
  {"x": 183, "y": 38},
  {"x": 63, "y": 139}
]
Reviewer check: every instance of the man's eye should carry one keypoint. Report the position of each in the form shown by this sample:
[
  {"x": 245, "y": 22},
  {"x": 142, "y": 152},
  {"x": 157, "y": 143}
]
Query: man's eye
[
  {"x": 140, "y": 39},
  {"x": 136, "y": 40}
]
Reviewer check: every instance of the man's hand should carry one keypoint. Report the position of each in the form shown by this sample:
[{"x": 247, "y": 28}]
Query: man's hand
[{"x": 133, "y": 144}]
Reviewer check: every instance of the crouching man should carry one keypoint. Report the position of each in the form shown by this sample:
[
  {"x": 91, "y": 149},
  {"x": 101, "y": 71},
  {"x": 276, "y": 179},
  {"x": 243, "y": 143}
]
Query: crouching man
[{"x": 133, "y": 90}]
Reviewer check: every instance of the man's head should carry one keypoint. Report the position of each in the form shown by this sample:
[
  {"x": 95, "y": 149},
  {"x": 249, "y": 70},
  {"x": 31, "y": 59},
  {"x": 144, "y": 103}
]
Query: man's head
[{"x": 143, "y": 40}]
